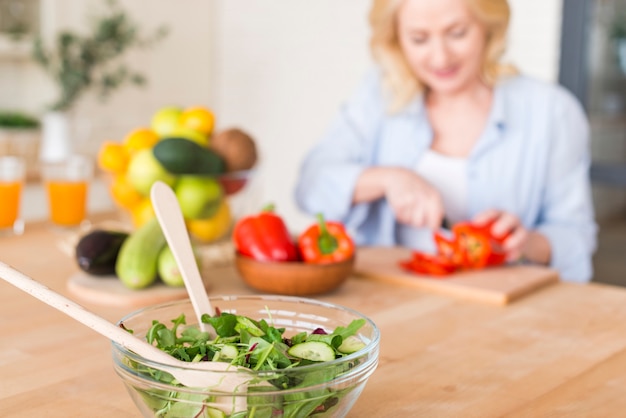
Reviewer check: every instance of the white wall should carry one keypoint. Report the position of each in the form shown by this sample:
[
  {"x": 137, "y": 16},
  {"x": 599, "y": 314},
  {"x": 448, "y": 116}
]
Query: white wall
[
  {"x": 284, "y": 66},
  {"x": 178, "y": 69},
  {"x": 535, "y": 36}
]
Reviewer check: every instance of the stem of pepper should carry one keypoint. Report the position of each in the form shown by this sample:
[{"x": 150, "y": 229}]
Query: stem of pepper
[
  {"x": 269, "y": 208},
  {"x": 326, "y": 242}
]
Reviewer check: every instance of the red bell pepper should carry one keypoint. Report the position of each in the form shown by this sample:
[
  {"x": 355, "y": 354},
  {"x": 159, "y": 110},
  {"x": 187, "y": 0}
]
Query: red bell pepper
[
  {"x": 475, "y": 243},
  {"x": 497, "y": 255},
  {"x": 264, "y": 237},
  {"x": 430, "y": 264},
  {"x": 325, "y": 242}
]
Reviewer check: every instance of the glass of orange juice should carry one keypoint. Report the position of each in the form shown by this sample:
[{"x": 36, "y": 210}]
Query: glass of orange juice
[
  {"x": 67, "y": 188},
  {"x": 12, "y": 173}
]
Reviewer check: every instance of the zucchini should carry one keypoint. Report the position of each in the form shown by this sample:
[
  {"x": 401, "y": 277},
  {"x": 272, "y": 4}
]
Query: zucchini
[
  {"x": 136, "y": 264},
  {"x": 167, "y": 267},
  {"x": 313, "y": 351},
  {"x": 182, "y": 156}
]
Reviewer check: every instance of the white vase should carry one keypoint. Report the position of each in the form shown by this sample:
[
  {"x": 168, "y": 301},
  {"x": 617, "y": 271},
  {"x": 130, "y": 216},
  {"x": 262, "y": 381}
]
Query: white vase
[{"x": 56, "y": 142}]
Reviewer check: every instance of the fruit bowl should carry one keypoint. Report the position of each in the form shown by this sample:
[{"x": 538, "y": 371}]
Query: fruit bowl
[
  {"x": 233, "y": 182},
  {"x": 317, "y": 389},
  {"x": 293, "y": 278}
]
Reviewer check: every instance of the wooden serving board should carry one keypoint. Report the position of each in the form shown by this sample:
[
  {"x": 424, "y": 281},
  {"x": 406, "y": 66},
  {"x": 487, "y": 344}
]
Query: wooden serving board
[
  {"x": 109, "y": 291},
  {"x": 497, "y": 285}
]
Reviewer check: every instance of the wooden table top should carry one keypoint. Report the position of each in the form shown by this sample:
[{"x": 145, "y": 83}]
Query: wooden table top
[{"x": 558, "y": 352}]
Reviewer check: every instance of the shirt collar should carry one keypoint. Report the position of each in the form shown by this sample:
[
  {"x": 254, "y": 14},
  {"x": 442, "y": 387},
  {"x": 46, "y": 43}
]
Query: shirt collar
[{"x": 497, "y": 116}]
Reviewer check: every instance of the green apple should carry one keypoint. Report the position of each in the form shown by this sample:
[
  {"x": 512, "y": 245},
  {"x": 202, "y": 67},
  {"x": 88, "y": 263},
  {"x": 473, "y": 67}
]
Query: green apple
[
  {"x": 166, "y": 120},
  {"x": 144, "y": 169},
  {"x": 199, "y": 196}
]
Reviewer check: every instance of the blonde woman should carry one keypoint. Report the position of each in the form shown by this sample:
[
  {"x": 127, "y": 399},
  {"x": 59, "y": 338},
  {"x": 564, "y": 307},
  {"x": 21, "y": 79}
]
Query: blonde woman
[{"x": 441, "y": 128}]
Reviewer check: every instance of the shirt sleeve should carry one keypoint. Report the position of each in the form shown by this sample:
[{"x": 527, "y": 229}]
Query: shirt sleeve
[
  {"x": 329, "y": 172},
  {"x": 567, "y": 218}
]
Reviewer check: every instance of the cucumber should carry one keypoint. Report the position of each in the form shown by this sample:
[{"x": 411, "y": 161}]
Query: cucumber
[
  {"x": 136, "y": 264},
  {"x": 182, "y": 156},
  {"x": 229, "y": 351},
  {"x": 313, "y": 351},
  {"x": 351, "y": 344}
]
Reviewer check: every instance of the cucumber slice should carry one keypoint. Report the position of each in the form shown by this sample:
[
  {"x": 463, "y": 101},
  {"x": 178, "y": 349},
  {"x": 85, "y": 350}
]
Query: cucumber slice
[
  {"x": 229, "y": 351},
  {"x": 313, "y": 351},
  {"x": 215, "y": 413},
  {"x": 350, "y": 345}
]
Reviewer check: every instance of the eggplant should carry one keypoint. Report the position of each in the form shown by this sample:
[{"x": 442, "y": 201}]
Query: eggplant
[{"x": 96, "y": 251}]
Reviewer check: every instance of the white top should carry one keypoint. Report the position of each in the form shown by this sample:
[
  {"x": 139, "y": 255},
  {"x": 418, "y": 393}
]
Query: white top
[{"x": 449, "y": 176}]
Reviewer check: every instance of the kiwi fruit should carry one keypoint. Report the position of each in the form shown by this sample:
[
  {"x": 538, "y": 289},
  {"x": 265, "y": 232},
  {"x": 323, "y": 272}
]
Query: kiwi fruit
[{"x": 236, "y": 147}]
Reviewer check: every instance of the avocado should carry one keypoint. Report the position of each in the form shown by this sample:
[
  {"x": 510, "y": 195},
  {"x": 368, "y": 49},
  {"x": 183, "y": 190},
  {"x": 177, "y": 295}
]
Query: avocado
[{"x": 182, "y": 156}]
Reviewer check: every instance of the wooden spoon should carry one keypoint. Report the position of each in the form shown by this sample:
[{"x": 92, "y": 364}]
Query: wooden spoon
[
  {"x": 172, "y": 223},
  {"x": 198, "y": 377}
]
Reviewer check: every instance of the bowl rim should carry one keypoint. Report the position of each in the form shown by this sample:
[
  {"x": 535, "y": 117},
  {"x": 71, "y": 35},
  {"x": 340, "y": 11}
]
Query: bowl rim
[
  {"x": 372, "y": 345},
  {"x": 303, "y": 264},
  {"x": 238, "y": 174}
]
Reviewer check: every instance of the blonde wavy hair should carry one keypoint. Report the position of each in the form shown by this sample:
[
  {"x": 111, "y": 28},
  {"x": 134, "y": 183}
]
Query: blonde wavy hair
[{"x": 398, "y": 78}]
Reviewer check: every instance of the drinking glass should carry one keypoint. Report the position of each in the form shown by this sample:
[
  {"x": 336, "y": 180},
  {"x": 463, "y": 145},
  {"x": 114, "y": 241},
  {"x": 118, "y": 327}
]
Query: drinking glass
[
  {"x": 67, "y": 187},
  {"x": 12, "y": 174}
]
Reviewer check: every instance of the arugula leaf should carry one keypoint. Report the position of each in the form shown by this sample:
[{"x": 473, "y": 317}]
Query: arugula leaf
[
  {"x": 272, "y": 335},
  {"x": 248, "y": 325},
  {"x": 224, "y": 324},
  {"x": 351, "y": 329}
]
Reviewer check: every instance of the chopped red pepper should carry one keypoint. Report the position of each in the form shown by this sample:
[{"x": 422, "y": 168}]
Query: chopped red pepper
[
  {"x": 431, "y": 264},
  {"x": 264, "y": 237},
  {"x": 471, "y": 247},
  {"x": 448, "y": 248},
  {"x": 325, "y": 242}
]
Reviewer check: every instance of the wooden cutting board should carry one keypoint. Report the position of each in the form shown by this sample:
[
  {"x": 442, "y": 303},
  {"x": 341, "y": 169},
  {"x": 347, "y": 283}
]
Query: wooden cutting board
[
  {"x": 498, "y": 285},
  {"x": 109, "y": 291}
]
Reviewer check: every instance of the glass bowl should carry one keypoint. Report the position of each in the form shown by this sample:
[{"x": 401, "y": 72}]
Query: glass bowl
[{"x": 318, "y": 389}]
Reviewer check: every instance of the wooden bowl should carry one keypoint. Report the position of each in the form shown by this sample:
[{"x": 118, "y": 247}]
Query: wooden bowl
[{"x": 292, "y": 278}]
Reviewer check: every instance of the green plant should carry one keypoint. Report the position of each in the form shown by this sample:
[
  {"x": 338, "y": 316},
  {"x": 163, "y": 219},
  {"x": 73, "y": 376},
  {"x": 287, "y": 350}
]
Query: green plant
[
  {"x": 17, "y": 120},
  {"x": 78, "y": 63},
  {"x": 617, "y": 30}
]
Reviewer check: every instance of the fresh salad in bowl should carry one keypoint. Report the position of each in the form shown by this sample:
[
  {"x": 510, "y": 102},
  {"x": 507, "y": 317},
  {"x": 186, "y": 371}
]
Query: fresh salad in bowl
[{"x": 284, "y": 364}]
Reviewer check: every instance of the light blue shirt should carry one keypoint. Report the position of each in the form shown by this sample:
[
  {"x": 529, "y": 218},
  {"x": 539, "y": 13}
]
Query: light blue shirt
[{"x": 532, "y": 160}]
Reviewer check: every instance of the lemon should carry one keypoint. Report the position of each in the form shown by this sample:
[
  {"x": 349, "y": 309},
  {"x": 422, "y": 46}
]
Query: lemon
[
  {"x": 213, "y": 228},
  {"x": 142, "y": 213},
  {"x": 140, "y": 139},
  {"x": 112, "y": 157},
  {"x": 199, "y": 119}
]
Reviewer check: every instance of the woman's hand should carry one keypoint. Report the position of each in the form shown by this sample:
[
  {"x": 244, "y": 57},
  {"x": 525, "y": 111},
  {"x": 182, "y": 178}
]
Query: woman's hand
[
  {"x": 519, "y": 242},
  {"x": 413, "y": 200}
]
